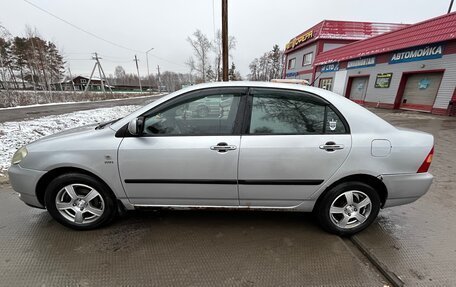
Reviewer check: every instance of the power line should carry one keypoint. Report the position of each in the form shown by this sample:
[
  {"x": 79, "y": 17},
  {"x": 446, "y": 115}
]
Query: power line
[
  {"x": 80, "y": 29},
  {"x": 116, "y": 61},
  {"x": 96, "y": 36},
  {"x": 70, "y": 59},
  {"x": 77, "y": 53},
  {"x": 171, "y": 62}
]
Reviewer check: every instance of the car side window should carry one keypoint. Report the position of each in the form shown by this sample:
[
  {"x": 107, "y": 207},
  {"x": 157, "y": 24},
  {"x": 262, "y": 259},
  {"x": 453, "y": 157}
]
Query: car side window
[
  {"x": 334, "y": 124},
  {"x": 283, "y": 113},
  {"x": 208, "y": 115}
]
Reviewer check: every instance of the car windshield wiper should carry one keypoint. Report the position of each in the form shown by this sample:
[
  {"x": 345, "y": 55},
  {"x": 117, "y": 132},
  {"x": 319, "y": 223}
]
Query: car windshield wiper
[{"x": 103, "y": 125}]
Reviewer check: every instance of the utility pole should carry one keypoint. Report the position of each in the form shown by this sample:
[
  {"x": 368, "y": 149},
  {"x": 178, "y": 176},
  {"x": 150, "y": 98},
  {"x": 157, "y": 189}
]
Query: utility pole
[
  {"x": 451, "y": 6},
  {"x": 225, "y": 39},
  {"x": 100, "y": 71},
  {"x": 159, "y": 83},
  {"x": 137, "y": 70},
  {"x": 4, "y": 83},
  {"x": 71, "y": 77},
  {"x": 147, "y": 60}
]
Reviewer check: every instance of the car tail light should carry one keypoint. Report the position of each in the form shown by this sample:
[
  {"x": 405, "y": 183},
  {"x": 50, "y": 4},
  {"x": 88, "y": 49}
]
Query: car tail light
[{"x": 427, "y": 162}]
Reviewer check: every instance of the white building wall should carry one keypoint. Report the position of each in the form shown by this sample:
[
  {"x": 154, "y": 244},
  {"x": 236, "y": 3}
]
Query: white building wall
[
  {"x": 330, "y": 46},
  {"x": 388, "y": 96},
  {"x": 299, "y": 54}
]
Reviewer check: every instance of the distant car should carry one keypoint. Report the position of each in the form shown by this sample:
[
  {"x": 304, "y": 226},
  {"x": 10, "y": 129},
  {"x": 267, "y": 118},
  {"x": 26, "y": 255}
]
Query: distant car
[{"x": 263, "y": 146}]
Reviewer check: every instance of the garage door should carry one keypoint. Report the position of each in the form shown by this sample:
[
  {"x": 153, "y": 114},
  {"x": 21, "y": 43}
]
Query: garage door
[
  {"x": 358, "y": 89},
  {"x": 420, "y": 91}
]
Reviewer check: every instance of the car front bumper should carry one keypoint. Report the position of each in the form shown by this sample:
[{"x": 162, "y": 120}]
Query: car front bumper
[
  {"x": 406, "y": 188},
  {"x": 24, "y": 181}
]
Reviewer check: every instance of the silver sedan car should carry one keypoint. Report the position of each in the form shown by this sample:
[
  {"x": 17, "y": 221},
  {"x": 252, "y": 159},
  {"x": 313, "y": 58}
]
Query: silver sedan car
[{"x": 263, "y": 146}]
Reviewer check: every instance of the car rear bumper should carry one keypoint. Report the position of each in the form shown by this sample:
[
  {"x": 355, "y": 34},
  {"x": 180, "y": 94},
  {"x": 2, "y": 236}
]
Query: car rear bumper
[
  {"x": 406, "y": 188},
  {"x": 24, "y": 181}
]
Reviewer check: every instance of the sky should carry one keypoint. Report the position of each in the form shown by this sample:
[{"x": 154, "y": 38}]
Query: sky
[{"x": 139, "y": 25}]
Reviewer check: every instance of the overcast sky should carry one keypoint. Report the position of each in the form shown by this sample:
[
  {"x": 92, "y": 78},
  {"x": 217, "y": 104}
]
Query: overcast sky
[{"x": 165, "y": 25}]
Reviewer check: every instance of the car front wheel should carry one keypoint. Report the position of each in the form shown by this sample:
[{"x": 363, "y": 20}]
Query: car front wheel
[
  {"x": 79, "y": 201},
  {"x": 348, "y": 208}
]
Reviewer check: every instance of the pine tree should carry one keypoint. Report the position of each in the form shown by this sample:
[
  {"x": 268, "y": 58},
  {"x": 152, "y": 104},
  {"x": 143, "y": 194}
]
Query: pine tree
[{"x": 19, "y": 51}]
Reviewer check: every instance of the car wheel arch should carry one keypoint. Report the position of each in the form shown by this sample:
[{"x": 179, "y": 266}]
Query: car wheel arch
[
  {"x": 44, "y": 181},
  {"x": 370, "y": 180}
]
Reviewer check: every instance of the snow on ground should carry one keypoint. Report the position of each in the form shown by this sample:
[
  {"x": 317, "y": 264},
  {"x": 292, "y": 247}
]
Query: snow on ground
[
  {"x": 13, "y": 135},
  {"x": 80, "y": 102}
]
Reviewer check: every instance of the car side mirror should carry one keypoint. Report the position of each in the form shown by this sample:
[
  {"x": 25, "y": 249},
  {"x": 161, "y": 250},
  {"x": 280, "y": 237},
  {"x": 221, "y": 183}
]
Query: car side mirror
[{"x": 136, "y": 126}]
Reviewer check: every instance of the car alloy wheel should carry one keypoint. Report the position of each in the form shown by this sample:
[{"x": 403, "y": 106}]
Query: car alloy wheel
[
  {"x": 350, "y": 209},
  {"x": 80, "y": 203}
]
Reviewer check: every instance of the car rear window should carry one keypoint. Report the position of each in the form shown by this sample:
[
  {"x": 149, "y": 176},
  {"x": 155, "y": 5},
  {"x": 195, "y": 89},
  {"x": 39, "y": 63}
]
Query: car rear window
[{"x": 288, "y": 112}]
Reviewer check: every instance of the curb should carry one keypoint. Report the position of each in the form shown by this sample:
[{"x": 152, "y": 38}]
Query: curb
[
  {"x": 4, "y": 179},
  {"x": 391, "y": 276}
]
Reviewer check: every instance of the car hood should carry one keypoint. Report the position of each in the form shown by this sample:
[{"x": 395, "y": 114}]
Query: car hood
[{"x": 69, "y": 133}]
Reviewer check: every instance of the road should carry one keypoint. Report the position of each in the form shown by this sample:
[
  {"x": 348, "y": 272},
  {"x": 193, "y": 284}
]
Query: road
[
  {"x": 412, "y": 244},
  {"x": 23, "y": 113}
]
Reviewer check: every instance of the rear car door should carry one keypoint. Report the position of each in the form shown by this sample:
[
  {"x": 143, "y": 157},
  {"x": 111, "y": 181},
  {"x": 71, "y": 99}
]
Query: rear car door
[
  {"x": 292, "y": 142},
  {"x": 188, "y": 152}
]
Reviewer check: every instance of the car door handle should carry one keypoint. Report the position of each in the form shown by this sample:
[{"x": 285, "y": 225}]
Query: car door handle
[
  {"x": 223, "y": 147},
  {"x": 331, "y": 146}
]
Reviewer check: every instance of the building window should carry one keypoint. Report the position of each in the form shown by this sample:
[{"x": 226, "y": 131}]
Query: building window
[
  {"x": 83, "y": 81},
  {"x": 291, "y": 63},
  {"x": 307, "y": 59},
  {"x": 326, "y": 84}
]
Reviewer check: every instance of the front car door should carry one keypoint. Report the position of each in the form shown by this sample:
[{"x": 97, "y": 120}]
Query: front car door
[
  {"x": 291, "y": 144},
  {"x": 188, "y": 151}
]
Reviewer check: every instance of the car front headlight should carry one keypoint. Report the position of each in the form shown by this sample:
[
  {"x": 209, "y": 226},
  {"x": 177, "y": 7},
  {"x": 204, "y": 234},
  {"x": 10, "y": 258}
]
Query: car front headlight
[{"x": 19, "y": 155}]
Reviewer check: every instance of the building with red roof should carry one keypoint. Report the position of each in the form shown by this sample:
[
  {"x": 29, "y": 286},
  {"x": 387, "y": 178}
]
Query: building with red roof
[
  {"x": 412, "y": 68},
  {"x": 301, "y": 51}
]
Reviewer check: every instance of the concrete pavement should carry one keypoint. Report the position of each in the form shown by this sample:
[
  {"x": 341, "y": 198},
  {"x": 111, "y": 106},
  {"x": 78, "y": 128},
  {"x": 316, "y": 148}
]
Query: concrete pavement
[{"x": 212, "y": 248}]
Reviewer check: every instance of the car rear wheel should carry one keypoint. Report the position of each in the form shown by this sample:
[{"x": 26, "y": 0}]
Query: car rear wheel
[
  {"x": 348, "y": 208},
  {"x": 80, "y": 201}
]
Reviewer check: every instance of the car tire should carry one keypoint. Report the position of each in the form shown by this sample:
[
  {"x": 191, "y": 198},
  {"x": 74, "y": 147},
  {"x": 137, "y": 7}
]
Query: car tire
[
  {"x": 80, "y": 201},
  {"x": 348, "y": 208}
]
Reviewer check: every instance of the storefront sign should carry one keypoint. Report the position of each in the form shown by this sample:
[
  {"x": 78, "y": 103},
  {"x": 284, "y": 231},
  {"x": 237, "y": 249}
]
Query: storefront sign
[
  {"x": 383, "y": 81},
  {"x": 298, "y": 40},
  {"x": 292, "y": 74},
  {"x": 330, "y": 68},
  {"x": 361, "y": 63},
  {"x": 418, "y": 54}
]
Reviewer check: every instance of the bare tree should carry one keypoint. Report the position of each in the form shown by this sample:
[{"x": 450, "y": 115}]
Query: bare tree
[
  {"x": 201, "y": 47},
  {"x": 119, "y": 74},
  {"x": 269, "y": 66},
  {"x": 217, "y": 49}
]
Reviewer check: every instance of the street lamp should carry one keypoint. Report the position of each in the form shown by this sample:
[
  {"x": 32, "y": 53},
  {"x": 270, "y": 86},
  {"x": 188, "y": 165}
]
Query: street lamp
[{"x": 147, "y": 60}]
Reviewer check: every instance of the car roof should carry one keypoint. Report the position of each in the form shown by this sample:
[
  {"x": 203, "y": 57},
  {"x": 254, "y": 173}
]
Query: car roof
[{"x": 359, "y": 118}]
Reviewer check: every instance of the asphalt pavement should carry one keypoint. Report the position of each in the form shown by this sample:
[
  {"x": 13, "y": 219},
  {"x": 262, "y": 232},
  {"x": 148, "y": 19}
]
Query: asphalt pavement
[
  {"x": 412, "y": 245},
  {"x": 26, "y": 113}
]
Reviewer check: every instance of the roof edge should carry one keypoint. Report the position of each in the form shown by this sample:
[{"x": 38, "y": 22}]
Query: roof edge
[{"x": 410, "y": 26}]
